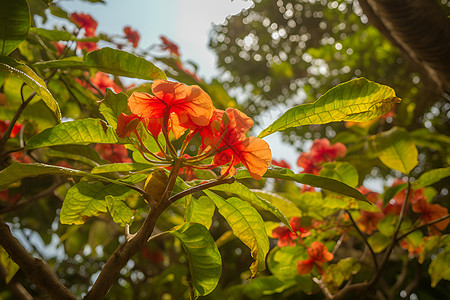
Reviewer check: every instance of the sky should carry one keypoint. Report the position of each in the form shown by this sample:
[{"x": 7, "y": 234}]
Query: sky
[{"x": 186, "y": 22}]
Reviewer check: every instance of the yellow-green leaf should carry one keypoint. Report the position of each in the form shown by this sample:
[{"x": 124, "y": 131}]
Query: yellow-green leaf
[
  {"x": 81, "y": 132},
  {"x": 357, "y": 100},
  {"x": 119, "y": 211},
  {"x": 440, "y": 267},
  {"x": 27, "y": 75},
  {"x": 205, "y": 263},
  {"x": 200, "y": 211},
  {"x": 247, "y": 225},
  {"x": 396, "y": 150},
  {"x": 87, "y": 199}
]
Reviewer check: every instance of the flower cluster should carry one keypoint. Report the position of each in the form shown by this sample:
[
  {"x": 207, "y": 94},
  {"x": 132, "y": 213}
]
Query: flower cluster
[
  {"x": 318, "y": 256},
  {"x": 287, "y": 237},
  {"x": 174, "y": 109},
  {"x": 132, "y": 36},
  {"x": 321, "y": 151},
  {"x": 86, "y": 22}
]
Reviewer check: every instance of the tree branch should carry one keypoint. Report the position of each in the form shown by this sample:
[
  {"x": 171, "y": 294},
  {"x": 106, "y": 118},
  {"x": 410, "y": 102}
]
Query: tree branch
[
  {"x": 423, "y": 226},
  {"x": 35, "y": 269},
  {"x": 363, "y": 236}
]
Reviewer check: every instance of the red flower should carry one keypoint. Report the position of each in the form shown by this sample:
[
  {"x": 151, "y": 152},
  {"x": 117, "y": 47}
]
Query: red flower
[
  {"x": 318, "y": 256},
  {"x": 371, "y": 196},
  {"x": 252, "y": 152},
  {"x": 280, "y": 163},
  {"x": 131, "y": 35},
  {"x": 169, "y": 45},
  {"x": 321, "y": 150},
  {"x": 368, "y": 221},
  {"x": 113, "y": 152},
  {"x": 7, "y": 197},
  {"x": 85, "y": 21},
  {"x": 59, "y": 47},
  {"x": 180, "y": 106},
  {"x": 4, "y": 126},
  {"x": 309, "y": 166},
  {"x": 430, "y": 212},
  {"x": 103, "y": 81},
  {"x": 395, "y": 205},
  {"x": 88, "y": 46},
  {"x": 286, "y": 237}
]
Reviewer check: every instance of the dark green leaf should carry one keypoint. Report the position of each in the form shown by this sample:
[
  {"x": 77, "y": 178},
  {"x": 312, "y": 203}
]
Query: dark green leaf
[
  {"x": 309, "y": 179},
  {"x": 205, "y": 263},
  {"x": 14, "y": 24},
  {"x": 392, "y": 191}
]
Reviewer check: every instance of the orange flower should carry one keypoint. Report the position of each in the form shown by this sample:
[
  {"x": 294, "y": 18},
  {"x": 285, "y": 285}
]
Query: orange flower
[
  {"x": 252, "y": 152},
  {"x": 430, "y": 212},
  {"x": 169, "y": 45},
  {"x": 318, "y": 256},
  {"x": 286, "y": 237},
  {"x": 179, "y": 106},
  {"x": 85, "y": 21},
  {"x": 368, "y": 221},
  {"x": 127, "y": 124},
  {"x": 103, "y": 81},
  {"x": 131, "y": 35}
]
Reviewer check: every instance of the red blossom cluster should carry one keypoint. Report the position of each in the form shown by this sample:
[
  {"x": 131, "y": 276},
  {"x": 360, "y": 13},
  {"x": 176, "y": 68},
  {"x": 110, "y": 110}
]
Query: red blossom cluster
[
  {"x": 286, "y": 237},
  {"x": 321, "y": 151},
  {"x": 89, "y": 25},
  {"x": 113, "y": 153},
  {"x": 318, "y": 256},
  {"x": 132, "y": 36},
  {"x": 176, "y": 108},
  {"x": 170, "y": 46}
]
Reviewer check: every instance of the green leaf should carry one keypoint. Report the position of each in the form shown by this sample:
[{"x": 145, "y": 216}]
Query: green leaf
[
  {"x": 8, "y": 264},
  {"x": 119, "y": 211},
  {"x": 112, "y": 61},
  {"x": 65, "y": 155},
  {"x": 337, "y": 273},
  {"x": 246, "y": 194},
  {"x": 27, "y": 75},
  {"x": 341, "y": 171},
  {"x": 18, "y": 171},
  {"x": 113, "y": 105},
  {"x": 14, "y": 24},
  {"x": 433, "y": 176},
  {"x": 59, "y": 35},
  {"x": 262, "y": 286},
  {"x": 122, "y": 63},
  {"x": 81, "y": 132},
  {"x": 282, "y": 262},
  {"x": 247, "y": 225},
  {"x": 357, "y": 100},
  {"x": 440, "y": 267},
  {"x": 309, "y": 179},
  {"x": 87, "y": 199},
  {"x": 378, "y": 242},
  {"x": 287, "y": 208},
  {"x": 200, "y": 211},
  {"x": 205, "y": 263},
  {"x": 121, "y": 167},
  {"x": 396, "y": 149},
  {"x": 387, "y": 225}
]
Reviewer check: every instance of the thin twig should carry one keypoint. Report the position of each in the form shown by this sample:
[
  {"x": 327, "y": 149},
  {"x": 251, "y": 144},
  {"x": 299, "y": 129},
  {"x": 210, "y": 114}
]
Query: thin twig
[
  {"x": 363, "y": 236},
  {"x": 423, "y": 226},
  {"x": 324, "y": 289}
]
